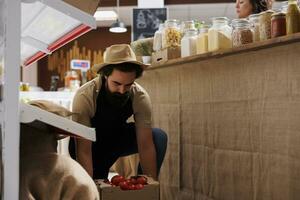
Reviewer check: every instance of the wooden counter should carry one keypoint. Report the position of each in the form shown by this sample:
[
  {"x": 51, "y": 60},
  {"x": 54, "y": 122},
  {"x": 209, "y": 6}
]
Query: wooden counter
[{"x": 233, "y": 121}]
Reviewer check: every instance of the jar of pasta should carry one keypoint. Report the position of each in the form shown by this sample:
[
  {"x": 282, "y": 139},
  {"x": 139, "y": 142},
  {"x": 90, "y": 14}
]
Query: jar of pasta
[
  {"x": 265, "y": 25},
  {"x": 171, "y": 35},
  {"x": 219, "y": 35},
  {"x": 241, "y": 33},
  {"x": 254, "y": 23}
]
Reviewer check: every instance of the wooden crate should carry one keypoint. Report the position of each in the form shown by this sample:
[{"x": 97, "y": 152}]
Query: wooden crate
[{"x": 166, "y": 54}]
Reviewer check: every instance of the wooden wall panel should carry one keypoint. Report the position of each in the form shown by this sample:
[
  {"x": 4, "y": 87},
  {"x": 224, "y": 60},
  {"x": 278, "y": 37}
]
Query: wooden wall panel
[
  {"x": 112, "y": 3},
  {"x": 232, "y": 122},
  {"x": 94, "y": 41}
]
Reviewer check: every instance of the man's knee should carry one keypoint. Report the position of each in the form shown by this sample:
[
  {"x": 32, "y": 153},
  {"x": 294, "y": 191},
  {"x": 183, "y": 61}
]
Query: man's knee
[{"x": 160, "y": 135}]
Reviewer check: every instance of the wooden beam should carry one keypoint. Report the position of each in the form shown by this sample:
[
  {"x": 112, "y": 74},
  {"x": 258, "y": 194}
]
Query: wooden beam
[
  {"x": 112, "y": 3},
  {"x": 168, "y": 2}
]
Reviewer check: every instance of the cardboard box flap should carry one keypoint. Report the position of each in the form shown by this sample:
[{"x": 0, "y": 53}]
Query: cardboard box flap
[{"x": 88, "y": 6}]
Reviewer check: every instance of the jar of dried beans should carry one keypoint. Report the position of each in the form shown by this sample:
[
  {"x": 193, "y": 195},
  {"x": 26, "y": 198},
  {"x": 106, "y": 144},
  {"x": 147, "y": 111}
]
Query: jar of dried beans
[{"x": 241, "y": 33}]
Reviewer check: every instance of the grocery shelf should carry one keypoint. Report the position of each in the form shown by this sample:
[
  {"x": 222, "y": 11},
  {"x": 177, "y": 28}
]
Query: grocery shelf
[{"x": 29, "y": 113}]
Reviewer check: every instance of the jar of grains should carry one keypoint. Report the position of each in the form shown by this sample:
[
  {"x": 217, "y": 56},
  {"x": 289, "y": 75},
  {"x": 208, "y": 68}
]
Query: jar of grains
[
  {"x": 241, "y": 33},
  {"x": 292, "y": 18},
  {"x": 265, "y": 25},
  {"x": 254, "y": 23},
  {"x": 202, "y": 39},
  {"x": 278, "y": 25},
  {"x": 171, "y": 35},
  {"x": 219, "y": 35},
  {"x": 188, "y": 43}
]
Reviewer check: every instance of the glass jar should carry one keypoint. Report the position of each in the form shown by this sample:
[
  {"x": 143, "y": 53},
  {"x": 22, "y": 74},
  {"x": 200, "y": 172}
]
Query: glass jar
[
  {"x": 70, "y": 76},
  {"x": 265, "y": 25},
  {"x": 202, "y": 40},
  {"x": 171, "y": 35},
  {"x": 219, "y": 35},
  {"x": 157, "y": 39},
  {"x": 241, "y": 33},
  {"x": 254, "y": 23},
  {"x": 187, "y": 25},
  {"x": 284, "y": 6},
  {"x": 188, "y": 43},
  {"x": 292, "y": 18},
  {"x": 24, "y": 87},
  {"x": 278, "y": 25}
]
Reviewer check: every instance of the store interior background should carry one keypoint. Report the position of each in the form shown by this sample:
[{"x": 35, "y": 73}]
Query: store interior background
[{"x": 39, "y": 74}]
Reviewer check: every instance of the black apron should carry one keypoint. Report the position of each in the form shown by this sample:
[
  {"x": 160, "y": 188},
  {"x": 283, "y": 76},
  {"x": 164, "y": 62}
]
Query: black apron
[{"x": 114, "y": 136}]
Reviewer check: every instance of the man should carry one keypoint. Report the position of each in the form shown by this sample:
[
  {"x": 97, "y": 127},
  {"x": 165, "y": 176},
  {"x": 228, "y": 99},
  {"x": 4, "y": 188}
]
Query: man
[{"x": 106, "y": 103}]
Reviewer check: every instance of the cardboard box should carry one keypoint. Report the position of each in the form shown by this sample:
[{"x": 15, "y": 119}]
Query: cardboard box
[
  {"x": 166, "y": 54},
  {"x": 88, "y": 6},
  {"x": 108, "y": 192}
]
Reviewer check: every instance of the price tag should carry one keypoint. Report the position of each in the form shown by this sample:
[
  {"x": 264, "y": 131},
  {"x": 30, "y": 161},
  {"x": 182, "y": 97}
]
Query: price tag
[{"x": 83, "y": 65}]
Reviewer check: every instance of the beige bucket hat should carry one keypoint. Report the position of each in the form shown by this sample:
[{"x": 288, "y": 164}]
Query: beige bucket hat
[{"x": 117, "y": 54}]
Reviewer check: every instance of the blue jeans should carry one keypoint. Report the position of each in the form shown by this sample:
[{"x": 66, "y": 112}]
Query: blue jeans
[
  {"x": 107, "y": 150},
  {"x": 160, "y": 140}
]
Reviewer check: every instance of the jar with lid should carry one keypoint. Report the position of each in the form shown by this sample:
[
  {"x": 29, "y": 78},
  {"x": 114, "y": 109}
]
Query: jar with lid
[
  {"x": 157, "y": 39},
  {"x": 188, "y": 43},
  {"x": 69, "y": 77},
  {"x": 292, "y": 18},
  {"x": 219, "y": 35},
  {"x": 202, "y": 39},
  {"x": 187, "y": 25},
  {"x": 254, "y": 23},
  {"x": 265, "y": 25},
  {"x": 278, "y": 25},
  {"x": 284, "y": 6},
  {"x": 171, "y": 35},
  {"x": 241, "y": 33}
]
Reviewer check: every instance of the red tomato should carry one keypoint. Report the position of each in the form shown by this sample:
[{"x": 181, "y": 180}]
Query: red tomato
[
  {"x": 115, "y": 180},
  {"x": 139, "y": 186},
  {"x": 131, "y": 187},
  {"x": 124, "y": 185},
  {"x": 141, "y": 180},
  {"x": 133, "y": 180}
]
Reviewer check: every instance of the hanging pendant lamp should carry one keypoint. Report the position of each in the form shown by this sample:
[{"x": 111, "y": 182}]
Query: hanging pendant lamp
[{"x": 118, "y": 26}]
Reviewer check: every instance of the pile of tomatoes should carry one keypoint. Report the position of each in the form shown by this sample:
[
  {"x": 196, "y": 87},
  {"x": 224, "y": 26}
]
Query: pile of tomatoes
[{"x": 134, "y": 183}]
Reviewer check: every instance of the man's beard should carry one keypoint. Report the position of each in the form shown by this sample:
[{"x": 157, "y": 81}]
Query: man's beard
[{"x": 117, "y": 99}]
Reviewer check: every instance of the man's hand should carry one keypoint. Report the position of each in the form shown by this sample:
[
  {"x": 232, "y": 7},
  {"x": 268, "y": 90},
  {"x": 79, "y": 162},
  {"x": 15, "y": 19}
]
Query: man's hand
[
  {"x": 84, "y": 155},
  {"x": 146, "y": 151}
]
